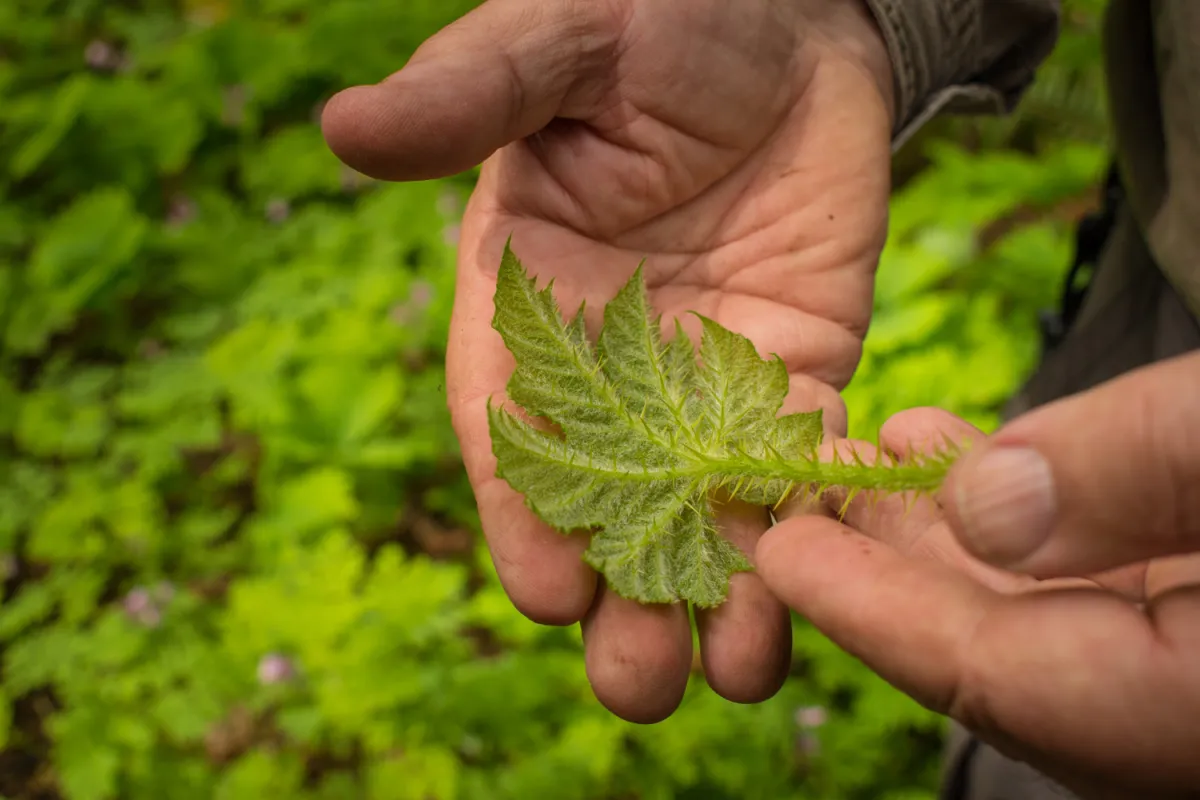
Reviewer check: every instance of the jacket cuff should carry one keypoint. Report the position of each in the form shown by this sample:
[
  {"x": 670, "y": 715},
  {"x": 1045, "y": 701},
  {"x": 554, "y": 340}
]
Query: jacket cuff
[{"x": 970, "y": 56}]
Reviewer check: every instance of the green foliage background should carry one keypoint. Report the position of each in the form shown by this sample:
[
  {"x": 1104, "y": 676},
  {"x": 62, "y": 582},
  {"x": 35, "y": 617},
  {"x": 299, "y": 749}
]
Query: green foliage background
[{"x": 239, "y": 556}]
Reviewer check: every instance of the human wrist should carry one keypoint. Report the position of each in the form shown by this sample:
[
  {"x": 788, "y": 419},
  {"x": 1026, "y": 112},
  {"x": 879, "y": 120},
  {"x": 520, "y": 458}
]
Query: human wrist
[
  {"x": 872, "y": 50},
  {"x": 852, "y": 31}
]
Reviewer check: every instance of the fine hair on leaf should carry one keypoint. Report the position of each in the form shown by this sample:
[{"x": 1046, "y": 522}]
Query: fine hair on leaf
[{"x": 646, "y": 430}]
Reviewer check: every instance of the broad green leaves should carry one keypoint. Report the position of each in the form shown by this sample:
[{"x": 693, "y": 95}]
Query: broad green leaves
[
  {"x": 83, "y": 251},
  {"x": 221, "y": 369}
]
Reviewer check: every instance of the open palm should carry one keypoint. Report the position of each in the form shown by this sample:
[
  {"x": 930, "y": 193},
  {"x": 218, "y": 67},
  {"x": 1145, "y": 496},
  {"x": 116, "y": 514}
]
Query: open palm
[{"x": 742, "y": 150}]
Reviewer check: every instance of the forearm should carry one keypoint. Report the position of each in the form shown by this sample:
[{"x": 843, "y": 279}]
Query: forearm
[{"x": 974, "y": 56}]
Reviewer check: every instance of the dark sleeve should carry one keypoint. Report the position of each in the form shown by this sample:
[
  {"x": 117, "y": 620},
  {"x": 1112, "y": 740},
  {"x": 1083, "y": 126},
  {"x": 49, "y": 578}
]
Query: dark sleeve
[{"x": 969, "y": 56}]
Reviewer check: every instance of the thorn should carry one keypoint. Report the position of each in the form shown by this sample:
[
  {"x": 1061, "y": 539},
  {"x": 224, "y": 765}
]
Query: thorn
[{"x": 846, "y": 505}]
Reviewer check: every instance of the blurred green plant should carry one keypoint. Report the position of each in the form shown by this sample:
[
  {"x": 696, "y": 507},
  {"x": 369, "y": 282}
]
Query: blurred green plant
[
  {"x": 977, "y": 248},
  {"x": 238, "y": 552}
]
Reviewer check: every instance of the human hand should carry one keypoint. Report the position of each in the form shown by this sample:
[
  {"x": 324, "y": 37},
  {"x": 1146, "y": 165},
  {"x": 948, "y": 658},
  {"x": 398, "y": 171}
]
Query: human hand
[
  {"x": 743, "y": 149},
  {"x": 1094, "y": 681}
]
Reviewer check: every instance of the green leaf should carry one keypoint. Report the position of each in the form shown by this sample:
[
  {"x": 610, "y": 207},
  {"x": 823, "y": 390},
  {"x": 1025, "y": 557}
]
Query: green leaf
[
  {"x": 648, "y": 435},
  {"x": 34, "y": 603},
  {"x": 65, "y": 108},
  {"x": 351, "y": 402},
  {"x": 9, "y": 399},
  {"x": 87, "y": 767},
  {"x": 79, "y": 254},
  {"x": 261, "y": 774},
  {"x": 53, "y": 423},
  {"x": 417, "y": 773},
  {"x": 317, "y": 498},
  {"x": 292, "y": 163},
  {"x": 6, "y": 718}
]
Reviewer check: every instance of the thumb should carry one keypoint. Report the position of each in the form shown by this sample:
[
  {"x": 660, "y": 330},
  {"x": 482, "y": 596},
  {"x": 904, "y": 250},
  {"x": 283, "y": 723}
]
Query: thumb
[
  {"x": 1106, "y": 478},
  {"x": 498, "y": 74}
]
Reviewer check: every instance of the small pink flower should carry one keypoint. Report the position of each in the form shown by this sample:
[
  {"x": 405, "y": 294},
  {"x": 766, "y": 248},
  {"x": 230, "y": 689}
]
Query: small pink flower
[
  {"x": 408, "y": 311},
  {"x": 421, "y": 295},
  {"x": 180, "y": 212},
  {"x": 141, "y": 607},
  {"x": 278, "y": 210},
  {"x": 811, "y": 716},
  {"x": 101, "y": 56},
  {"x": 274, "y": 668},
  {"x": 449, "y": 203}
]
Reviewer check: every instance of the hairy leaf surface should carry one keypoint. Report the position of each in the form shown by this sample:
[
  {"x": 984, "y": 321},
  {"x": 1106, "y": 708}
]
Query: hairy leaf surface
[{"x": 642, "y": 434}]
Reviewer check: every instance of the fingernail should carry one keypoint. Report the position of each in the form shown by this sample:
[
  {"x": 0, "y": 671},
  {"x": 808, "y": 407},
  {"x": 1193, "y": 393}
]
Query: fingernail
[{"x": 1007, "y": 505}]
